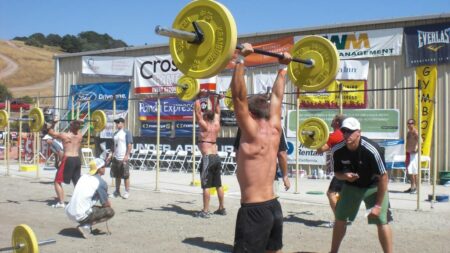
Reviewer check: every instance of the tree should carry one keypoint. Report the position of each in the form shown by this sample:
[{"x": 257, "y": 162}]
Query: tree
[
  {"x": 70, "y": 44},
  {"x": 39, "y": 37},
  {"x": 4, "y": 93},
  {"x": 53, "y": 40}
]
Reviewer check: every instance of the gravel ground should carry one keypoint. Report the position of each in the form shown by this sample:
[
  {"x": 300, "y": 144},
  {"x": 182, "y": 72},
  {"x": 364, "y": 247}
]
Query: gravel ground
[{"x": 151, "y": 221}]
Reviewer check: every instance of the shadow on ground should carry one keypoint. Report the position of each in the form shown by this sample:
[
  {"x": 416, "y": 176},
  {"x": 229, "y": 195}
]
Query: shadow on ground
[{"x": 216, "y": 246}]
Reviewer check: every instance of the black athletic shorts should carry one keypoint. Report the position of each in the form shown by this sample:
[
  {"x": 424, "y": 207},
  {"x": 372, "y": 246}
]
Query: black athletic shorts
[
  {"x": 336, "y": 185},
  {"x": 69, "y": 170},
  {"x": 210, "y": 170},
  {"x": 259, "y": 227}
]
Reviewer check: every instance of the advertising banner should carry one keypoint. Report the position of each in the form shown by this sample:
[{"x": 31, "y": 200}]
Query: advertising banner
[
  {"x": 375, "y": 123},
  {"x": 366, "y": 44},
  {"x": 108, "y": 132},
  {"x": 306, "y": 156},
  {"x": 151, "y": 128},
  {"x": 427, "y": 45},
  {"x": 353, "y": 70},
  {"x": 100, "y": 95},
  {"x": 107, "y": 65},
  {"x": 184, "y": 129},
  {"x": 153, "y": 74},
  {"x": 330, "y": 97},
  {"x": 276, "y": 46},
  {"x": 170, "y": 109},
  {"x": 426, "y": 77}
]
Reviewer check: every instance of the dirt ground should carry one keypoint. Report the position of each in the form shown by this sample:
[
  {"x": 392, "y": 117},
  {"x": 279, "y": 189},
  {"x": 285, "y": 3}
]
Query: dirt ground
[{"x": 163, "y": 222}]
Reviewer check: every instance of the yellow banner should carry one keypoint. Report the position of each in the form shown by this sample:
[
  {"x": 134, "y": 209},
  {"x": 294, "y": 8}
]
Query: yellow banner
[
  {"x": 354, "y": 96},
  {"x": 426, "y": 77}
]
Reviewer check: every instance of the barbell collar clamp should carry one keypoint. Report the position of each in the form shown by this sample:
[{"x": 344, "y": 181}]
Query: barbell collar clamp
[{"x": 308, "y": 133}]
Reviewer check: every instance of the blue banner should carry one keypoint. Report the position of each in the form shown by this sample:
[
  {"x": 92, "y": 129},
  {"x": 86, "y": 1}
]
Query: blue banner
[
  {"x": 100, "y": 95},
  {"x": 184, "y": 129},
  {"x": 171, "y": 109},
  {"x": 427, "y": 45},
  {"x": 150, "y": 128}
]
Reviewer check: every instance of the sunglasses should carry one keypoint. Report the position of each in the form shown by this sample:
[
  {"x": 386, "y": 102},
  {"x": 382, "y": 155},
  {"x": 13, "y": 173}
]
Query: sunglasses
[
  {"x": 410, "y": 123},
  {"x": 347, "y": 131}
]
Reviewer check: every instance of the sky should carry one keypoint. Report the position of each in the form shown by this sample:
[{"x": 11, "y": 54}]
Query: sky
[{"x": 134, "y": 21}]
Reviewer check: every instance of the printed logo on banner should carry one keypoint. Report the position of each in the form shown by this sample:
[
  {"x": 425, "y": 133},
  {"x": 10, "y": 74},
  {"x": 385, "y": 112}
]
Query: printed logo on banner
[
  {"x": 150, "y": 129},
  {"x": 100, "y": 95},
  {"x": 184, "y": 129},
  {"x": 171, "y": 109}
]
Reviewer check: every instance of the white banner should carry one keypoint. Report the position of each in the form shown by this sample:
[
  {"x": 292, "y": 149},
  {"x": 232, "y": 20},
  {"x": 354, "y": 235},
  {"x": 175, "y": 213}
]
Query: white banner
[
  {"x": 108, "y": 132},
  {"x": 366, "y": 44},
  {"x": 223, "y": 84},
  {"x": 353, "y": 70},
  {"x": 305, "y": 155},
  {"x": 153, "y": 71},
  {"x": 262, "y": 82},
  {"x": 107, "y": 65}
]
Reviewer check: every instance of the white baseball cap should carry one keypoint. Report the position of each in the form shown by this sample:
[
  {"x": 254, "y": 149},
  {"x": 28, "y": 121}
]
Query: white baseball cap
[
  {"x": 47, "y": 137},
  {"x": 351, "y": 123}
]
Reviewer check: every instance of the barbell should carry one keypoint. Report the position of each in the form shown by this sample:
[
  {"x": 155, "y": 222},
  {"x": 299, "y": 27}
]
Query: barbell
[
  {"x": 188, "y": 89},
  {"x": 24, "y": 240},
  {"x": 313, "y": 133},
  {"x": 203, "y": 39},
  {"x": 36, "y": 119}
]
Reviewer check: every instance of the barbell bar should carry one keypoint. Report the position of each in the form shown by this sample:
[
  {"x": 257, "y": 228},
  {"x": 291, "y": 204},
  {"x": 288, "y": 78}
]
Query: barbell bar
[
  {"x": 196, "y": 37},
  {"x": 24, "y": 240},
  {"x": 36, "y": 119},
  {"x": 208, "y": 50}
]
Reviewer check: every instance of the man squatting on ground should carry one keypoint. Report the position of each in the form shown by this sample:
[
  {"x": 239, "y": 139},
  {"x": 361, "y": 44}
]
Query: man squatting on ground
[
  {"x": 360, "y": 162},
  {"x": 90, "y": 189},
  {"x": 259, "y": 223},
  {"x": 123, "y": 143},
  {"x": 335, "y": 185},
  {"x": 70, "y": 166},
  {"x": 210, "y": 165}
]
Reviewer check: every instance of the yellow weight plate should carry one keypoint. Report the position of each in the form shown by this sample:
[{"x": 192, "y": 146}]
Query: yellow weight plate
[
  {"x": 228, "y": 100},
  {"x": 23, "y": 235},
  {"x": 37, "y": 119},
  {"x": 187, "y": 88},
  {"x": 326, "y": 63},
  {"x": 211, "y": 56},
  {"x": 3, "y": 118},
  {"x": 313, "y": 133},
  {"x": 98, "y": 120}
]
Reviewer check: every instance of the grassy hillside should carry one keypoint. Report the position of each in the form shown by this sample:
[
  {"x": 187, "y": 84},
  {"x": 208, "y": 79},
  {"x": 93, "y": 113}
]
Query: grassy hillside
[{"x": 35, "y": 65}]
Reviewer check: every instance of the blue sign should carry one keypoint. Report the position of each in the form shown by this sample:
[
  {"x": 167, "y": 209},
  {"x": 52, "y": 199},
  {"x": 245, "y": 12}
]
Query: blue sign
[
  {"x": 150, "y": 129},
  {"x": 171, "y": 109},
  {"x": 100, "y": 95},
  {"x": 184, "y": 129}
]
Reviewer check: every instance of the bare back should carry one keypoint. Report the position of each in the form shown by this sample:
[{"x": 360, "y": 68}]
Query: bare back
[
  {"x": 208, "y": 137},
  {"x": 71, "y": 143},
  {"x": 256, "y": 162}
]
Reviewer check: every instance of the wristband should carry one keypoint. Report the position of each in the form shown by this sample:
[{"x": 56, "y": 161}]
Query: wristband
[
  {"x": 377, "y": 206},
  {"x": 240, "y": 59},
  {"x": 282, "y": 69}
]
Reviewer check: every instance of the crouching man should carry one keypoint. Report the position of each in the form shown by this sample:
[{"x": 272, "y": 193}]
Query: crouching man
[{"x": 90, "y": 189}]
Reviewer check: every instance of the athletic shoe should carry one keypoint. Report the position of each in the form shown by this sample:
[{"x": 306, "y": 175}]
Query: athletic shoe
[
  {"x": 221, "y": 211},
  {"x": 115, "y": 194},
  {"x": 407, "y": 191},
  {"x": 85, "y": 230},
  {"x": 203, "y": 214},
  {"x": 413, "y": 191},
  {"x": 125, "y": 195},
  {"x": 330, "y": 224},
  {"x": 59, "y": 205}
]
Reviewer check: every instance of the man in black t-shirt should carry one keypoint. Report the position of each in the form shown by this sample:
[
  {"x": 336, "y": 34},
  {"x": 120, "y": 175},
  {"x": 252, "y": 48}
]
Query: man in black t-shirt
[{"x": 360, "y": 162}]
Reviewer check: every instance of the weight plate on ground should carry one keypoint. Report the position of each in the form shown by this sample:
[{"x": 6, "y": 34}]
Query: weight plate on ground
[
  {"x": 211, "y": 56},
  {"x": 228, "y": 100},
  {"x": 37, "y": 121},
  {"x": 187, "y": 88},
  {"x": 326, "y": 63},
  {"x": 313, "y": 133},
  {"x": 99, "y": 120},
  {"x": 3, "y": 118},
  {"x": 24, "y": 235}
]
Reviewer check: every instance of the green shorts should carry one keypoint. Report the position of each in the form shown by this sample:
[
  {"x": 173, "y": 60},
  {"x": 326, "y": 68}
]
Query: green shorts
[{"x": 350, "y": 200}]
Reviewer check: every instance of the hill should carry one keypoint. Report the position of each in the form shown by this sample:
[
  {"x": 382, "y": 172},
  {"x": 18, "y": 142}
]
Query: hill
[{"x": 27, "y": 70}]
